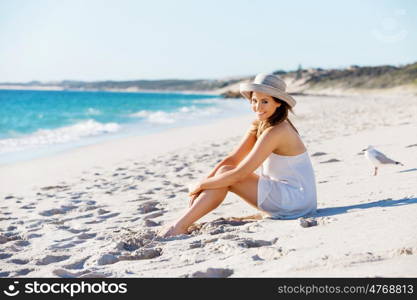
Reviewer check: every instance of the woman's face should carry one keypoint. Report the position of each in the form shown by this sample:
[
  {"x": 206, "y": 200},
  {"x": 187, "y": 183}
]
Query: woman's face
[{"x": 263, "y": 105}]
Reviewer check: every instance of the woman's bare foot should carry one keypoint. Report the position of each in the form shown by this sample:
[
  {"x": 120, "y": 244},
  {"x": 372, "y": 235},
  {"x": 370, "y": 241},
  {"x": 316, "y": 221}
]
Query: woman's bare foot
[{"x": 172, "y": 230}]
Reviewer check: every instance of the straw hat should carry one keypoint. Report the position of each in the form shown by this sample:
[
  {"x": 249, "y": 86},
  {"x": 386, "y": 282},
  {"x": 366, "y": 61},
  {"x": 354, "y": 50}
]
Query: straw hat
[{"x": 268, "y": 84}]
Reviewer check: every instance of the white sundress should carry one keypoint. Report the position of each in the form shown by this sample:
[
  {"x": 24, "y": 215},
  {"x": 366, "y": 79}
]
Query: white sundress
[{"x": 287, "y": 186}]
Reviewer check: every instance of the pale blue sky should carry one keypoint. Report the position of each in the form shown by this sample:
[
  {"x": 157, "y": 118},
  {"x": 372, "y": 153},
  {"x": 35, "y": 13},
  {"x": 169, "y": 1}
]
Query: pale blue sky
[{"x": 155, "y": 39}]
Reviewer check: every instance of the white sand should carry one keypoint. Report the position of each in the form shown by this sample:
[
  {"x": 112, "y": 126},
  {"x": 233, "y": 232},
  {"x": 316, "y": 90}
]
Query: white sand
[{"x": 94, "y": 211}]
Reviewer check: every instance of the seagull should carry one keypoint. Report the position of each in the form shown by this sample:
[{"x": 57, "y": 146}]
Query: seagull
[{"x": 378, "y": 159}]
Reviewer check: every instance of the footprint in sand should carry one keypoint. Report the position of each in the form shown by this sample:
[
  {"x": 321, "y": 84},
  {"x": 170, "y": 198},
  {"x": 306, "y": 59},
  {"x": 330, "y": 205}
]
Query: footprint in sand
[
  {"x": 22, "y": 243},
  {"x": 140, "y": 198},
  {"x": 66, "y": 246},
  {"x": 18, "y": 261},
  {"x": 130, "y": 187},
  {"x": 57, "y": 211},
  {"x": 196, "y": 244},
  {"x": 270, "y": 253},
  {"x": 82, "y": 274},
  {"x": 86, "y": 236},
  {"x": 135, "y": 219},
  {"x": 77, "y": 265},
  {"x": 55, "y": 187},
  {"x": 148, "y": 207},
  {"x": 111, "y": 191},
  {"x": 230, "y": 237},
  {"x": 153, "y": 215},
  {"x": 95, "y": 221},
  {"x": 88, "y": 208},
  {"x": 149, "y": 192},
  {"x": 139, "y": 244},
  {"x": 9, "y": 236},
  {"x": 50, "y": 259},
  {"x": 77, "y": 195},
  {"x": 27, "y": 206},
  {"x": 177, "y": 169},
  {"x": 177, "y": 185},
  {"x": 319, "y": 154},
  {"x": 330, "y": 161},
  {"x": 140, "y": 177},
  {"x": 73, "y": 230},
  {"x": 213, "y": 273},
  {"x": 102, "y": 211},
  {"x": 108, "y": 216},
  {"x": 189, "y": 175},
  {"x": 77, "y": 218},
  {"x": 217, "y": 226},
  {"x": 169, "y": 196},
  {"x": 106, "y": 259},
  {"x": 133, "y": 240},
  {"x": 150, "y": 223},
  {"x": 141, "y": 254},
  {"x": 5, "y": 255},
  {"x": 22, "y": 272},
  {"x": 35, "y": 224},
  {"x": 249, "y": 243}
]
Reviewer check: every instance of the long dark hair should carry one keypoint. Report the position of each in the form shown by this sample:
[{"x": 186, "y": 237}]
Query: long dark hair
[{"x": 279, "y": 116}]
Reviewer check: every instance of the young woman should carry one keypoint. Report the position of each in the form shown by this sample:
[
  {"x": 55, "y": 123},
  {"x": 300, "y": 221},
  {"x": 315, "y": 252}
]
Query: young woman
[{"x": 285, "y": 186}]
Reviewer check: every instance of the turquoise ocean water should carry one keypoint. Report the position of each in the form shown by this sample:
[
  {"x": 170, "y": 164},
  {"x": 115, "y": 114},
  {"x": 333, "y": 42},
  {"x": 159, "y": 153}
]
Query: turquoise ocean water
[{"x": 40, "y": 123}]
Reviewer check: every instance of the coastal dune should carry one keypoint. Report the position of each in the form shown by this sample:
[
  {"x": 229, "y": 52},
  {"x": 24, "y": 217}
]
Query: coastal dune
[{"x": 95, "y": 211}]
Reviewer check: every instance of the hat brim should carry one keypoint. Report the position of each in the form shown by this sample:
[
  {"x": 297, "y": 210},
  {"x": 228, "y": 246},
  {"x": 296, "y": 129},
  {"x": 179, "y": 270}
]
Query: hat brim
[{"x": 247, "y": 88}]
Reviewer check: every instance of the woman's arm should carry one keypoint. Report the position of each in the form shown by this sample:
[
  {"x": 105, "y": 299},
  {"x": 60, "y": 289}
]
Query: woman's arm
[
  {"x": 226, "y": 161},
  {"x": 266, "y": 143},
  {"x": 236, "y": 156}
]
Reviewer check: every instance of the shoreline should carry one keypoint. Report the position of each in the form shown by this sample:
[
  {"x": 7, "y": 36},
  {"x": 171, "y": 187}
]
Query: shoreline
[{"x": 39, "y": 152}]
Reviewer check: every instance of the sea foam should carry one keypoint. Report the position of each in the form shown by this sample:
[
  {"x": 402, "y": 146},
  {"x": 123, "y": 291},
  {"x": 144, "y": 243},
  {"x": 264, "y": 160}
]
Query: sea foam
[
  {"x": 65, "y": 134},
  {"x": 183, "y": 113}
]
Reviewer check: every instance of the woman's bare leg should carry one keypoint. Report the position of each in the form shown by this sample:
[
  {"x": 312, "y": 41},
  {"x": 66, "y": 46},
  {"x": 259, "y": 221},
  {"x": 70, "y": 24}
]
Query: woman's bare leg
[
  {"x": 210, "y": 199},
  {"x": 206, "y": 202}
]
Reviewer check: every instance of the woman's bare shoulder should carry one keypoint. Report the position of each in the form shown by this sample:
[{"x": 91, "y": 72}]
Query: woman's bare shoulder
[
  {"x": 289, "y": 142},
  {"x": 281, "y": 128}
]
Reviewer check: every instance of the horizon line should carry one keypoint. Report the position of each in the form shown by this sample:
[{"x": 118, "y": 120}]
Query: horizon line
[{"x": 193, "y": 79}]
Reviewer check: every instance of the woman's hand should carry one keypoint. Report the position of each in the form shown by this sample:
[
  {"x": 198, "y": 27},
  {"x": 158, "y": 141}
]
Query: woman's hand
[
  {"x": 192, "y": 199},
  {"x": 195, "y": 190}
]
